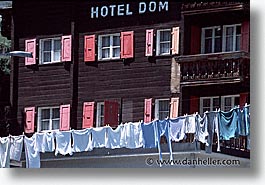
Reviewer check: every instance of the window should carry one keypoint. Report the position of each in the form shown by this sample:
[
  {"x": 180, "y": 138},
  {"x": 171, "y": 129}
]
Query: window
[
  {"x": 229, "y": 102},
  {"x": 211, "y": 42},
  {"x": 221, "y": 39},
  {"x": 209, "y": 104},
  {"x": 48, "y": 118},
  {"x": 100, "y": 114},
  {"x": 50, "y": 50},
  {"x": 212, "y": 103},
  {"x": 109, "y": 47},
  {"x": 231, "y": 37},
  {"x": 163, "y": 43},
  {"x": 162, "y": 108}
]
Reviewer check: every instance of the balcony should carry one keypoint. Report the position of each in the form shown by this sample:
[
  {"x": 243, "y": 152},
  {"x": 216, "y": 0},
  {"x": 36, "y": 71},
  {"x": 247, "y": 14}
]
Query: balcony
[{"x": 214, "y": 68}]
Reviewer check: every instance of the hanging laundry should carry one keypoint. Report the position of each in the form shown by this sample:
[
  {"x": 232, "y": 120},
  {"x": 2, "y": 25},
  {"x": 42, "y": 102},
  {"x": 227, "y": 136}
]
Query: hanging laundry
[
  {"x": 190, "y": 124},
  {"x": 16, "y": 147},
  {"x": 201, "y": 129},
  {"x": 45, "y": 142},
  {"x": 149, "y": 135},
  {"x": 248, "y": 142},
  {"x": 82, "y": 141},
  {"x": 244, "y": 126},
  {"x": 32, "y": 156},
  {"x": 99, "y": 137},
  {"x": 133, "y": 135},
  {"x": 240, "y": 123},
  {"x": 4, "y": 152},
  {"x": 63, "y": 142},
  {"x": 246, "y": 112},
  {"x": 212, "y": 127},
  {"x": 163, "y": 129},
  {"x": 177, "y": 128},
  {"x": 114, "y": 137},
  {"x": 228, "y": 124}
]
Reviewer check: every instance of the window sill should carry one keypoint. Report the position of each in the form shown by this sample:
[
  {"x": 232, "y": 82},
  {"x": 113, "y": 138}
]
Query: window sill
[
  {"x": 47, "y": 131},
  {"x": 109, "y": 60},
  {"x": 51, "y": 63}
]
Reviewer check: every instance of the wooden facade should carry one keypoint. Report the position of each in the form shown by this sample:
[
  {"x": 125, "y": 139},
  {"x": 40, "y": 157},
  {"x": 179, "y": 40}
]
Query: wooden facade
[
  {"x": 130, "y": 84},
  {"x": 127, "y": 81}
]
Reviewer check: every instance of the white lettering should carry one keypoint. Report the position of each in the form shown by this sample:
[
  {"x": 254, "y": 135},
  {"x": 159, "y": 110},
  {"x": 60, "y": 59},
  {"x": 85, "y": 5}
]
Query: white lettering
[
  {"x": 142, "y": 7},
  {"x": 120, "y": 9},
  {"x": 163, "y": 6},
  {"x": 124, "y": 9},
  {"x": 112, "y": 9},
  {"x": 152, "y": 6},
  {"x": 128, "y": 10},
  {"x": 104, "y": 11},
  {"x": 94, "y": 12}
]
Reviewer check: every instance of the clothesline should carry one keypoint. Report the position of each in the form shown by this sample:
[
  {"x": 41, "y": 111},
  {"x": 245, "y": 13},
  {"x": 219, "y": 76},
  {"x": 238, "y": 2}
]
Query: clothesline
[{"x": 129, "y": 135}]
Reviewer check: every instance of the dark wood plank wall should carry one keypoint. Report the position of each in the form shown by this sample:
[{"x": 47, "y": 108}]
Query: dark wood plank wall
[
  {"x": 52, "y": 85},
  {"x": 132, "y": 82},
  {"x": 42, "y": 85}
]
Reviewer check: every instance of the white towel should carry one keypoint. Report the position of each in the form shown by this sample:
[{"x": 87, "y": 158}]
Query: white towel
[
  {"x": 114, "y": 137},
  {"x": 190, "y": 124},
  {"x": 82, "y": 141},
  {"x": 4, "y": 152},
  {"x": 63, "y": 142},
  {"x": 16, "y": 147},
  {"x": 201, "y": 130},
  {"x": 99, "y": 137},
  {"x": 133, "y": 135},
  {"x": 32, "y": 156},
  {"x": 177, "y": 128},
  {"x": 45, "y": 142}
]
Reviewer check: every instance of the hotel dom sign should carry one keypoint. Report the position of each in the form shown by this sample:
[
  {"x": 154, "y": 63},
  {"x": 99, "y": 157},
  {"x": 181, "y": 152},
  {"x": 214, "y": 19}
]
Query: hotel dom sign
[{"x": 128, "y": 9}]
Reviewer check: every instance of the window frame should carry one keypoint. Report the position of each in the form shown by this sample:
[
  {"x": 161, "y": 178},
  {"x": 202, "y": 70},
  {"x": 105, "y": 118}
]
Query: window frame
[
  {"x": 39, "y": 125},
  {"x": 158, "y": 42},
  {"x": 213, "y": 38},
  {"x": 234, "y": 37},
  {"x": 99, "y": 116},
  {"x": 41, "y": 50},
  {"x": 223, "y": 38},
  {"x": 111, "y": 47},
  {"x": 157, "y": 111},
  {"x": 211, "y": 102},
  {"x": 232, "y": 100}
]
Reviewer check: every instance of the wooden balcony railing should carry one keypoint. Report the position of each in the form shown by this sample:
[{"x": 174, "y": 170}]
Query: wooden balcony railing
[{"x": 211, "y": 67}]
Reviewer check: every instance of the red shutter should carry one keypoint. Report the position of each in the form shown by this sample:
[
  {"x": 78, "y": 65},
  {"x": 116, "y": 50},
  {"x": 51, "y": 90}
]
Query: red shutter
[
  {"x": 194, "y": 104},
  {"x": 148, "y": 110},
  {"x": 65, "y": 117},
  {"x": 243, "y": 99},
  {"x": 174, "y": 107},
  {"x": 195, "y": 44},
  {"x": 88, "y": 114},
  {"x": 175, "y": 41},
  {"x": 149, "y": 42},
  {"x": 127, "y": 44},
  {"x": 89, "y": 53},
  {"x": 66, "y": 48},
  {"x": 30, "y": 46},
  {"x": 30, "y": 119},
  {"x": 111, "y": 113},
  {"x": 245, "y": 36}
]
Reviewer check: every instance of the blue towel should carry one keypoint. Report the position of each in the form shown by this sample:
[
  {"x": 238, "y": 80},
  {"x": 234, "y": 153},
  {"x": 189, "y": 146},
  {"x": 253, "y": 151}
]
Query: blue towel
[
  {"x": 149, "y": 135},
  {"x": 228, "y": 122}
]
